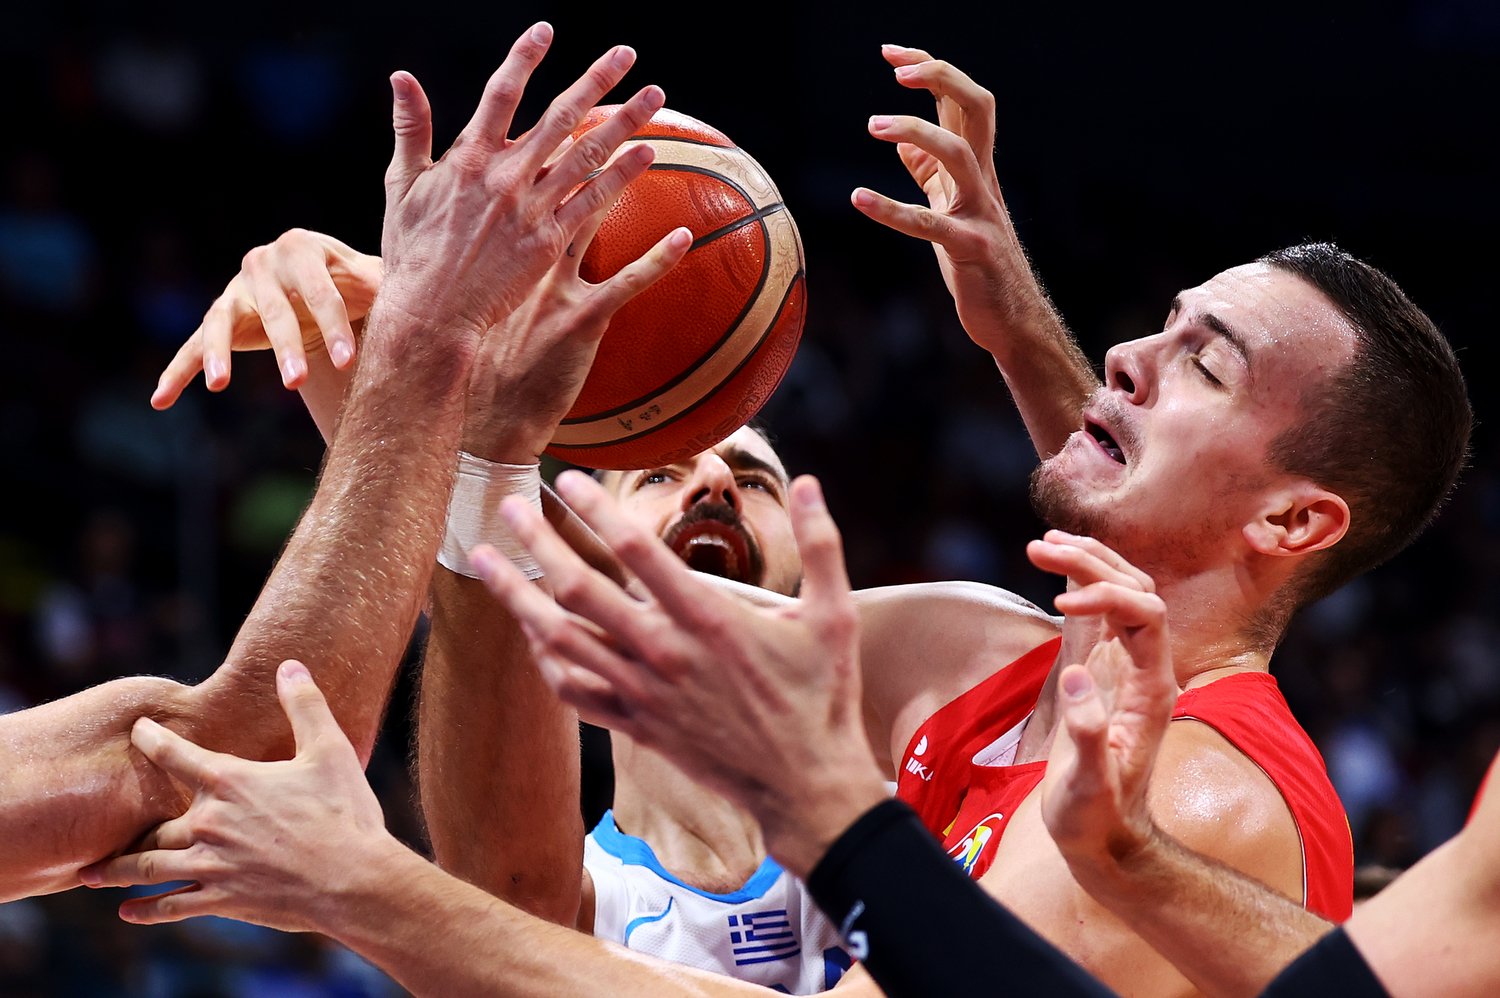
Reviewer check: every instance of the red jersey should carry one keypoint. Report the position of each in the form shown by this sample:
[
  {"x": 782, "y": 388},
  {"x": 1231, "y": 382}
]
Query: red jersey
[{"x": 964, "y": 788}]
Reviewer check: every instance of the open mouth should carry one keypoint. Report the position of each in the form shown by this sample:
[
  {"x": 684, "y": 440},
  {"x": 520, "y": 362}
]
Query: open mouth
[
  {"x": 713, "y": 546},
  {"x": 1105, "y": 441}
]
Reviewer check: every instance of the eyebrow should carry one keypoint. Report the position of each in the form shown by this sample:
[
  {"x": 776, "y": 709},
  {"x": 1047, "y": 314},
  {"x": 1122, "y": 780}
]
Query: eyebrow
[
  {"x": 740, "y": 459},
  {"x": 1219, "y": 327}
]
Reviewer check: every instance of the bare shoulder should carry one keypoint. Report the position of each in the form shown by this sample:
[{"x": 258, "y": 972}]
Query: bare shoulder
[
  {"x": 956, "y": 611},
  {"x": 921, "y": 645},
  {"x": 1214, "y": 799}
]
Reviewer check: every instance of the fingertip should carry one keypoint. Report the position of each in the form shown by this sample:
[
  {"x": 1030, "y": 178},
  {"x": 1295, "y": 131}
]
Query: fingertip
[
  {"x": 808, "y": 493},
  {"x": 680, "y": 238},
  {"x": 484, "y": 559},
  {"x": 342, "y": 352},
  {"x": 402, "y": 85},
  {"x": 293, "y": 672},
  {"x": 1076, "y": 683},
  {"x": 541, "y": 33},
  {"x": 570, "y": 483},
  {"x": 293, "y": 371},
  {"x": 145, "y": 734}
]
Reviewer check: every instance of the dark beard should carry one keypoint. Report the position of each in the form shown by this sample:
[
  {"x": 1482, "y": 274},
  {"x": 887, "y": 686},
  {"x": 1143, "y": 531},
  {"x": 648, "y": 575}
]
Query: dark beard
[
  {"x": 747, "y": 566},
  {"x": 1058, "y": 508}
]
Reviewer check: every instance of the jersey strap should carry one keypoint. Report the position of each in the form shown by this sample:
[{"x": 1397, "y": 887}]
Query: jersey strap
[
  {"x": 936, "y": 769},
  {"x": 1248, "y": 709}
]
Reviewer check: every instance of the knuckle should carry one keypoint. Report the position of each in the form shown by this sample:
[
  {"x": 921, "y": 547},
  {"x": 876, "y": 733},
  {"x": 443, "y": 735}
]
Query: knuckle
[
  {"x": 633, "y": 544},
  {"x": 320, "y": 296},
  {"x": 504, "y": 90},
  {"x": 568, "y": 586},
  {"x": 592, "y": 149},
  {"x": 253, "y": 258}
]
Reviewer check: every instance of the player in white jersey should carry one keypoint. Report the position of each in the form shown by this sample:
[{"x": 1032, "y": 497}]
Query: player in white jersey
[
  {"x": 674, "y": 870},
  {"x": 768, "y": 932}
]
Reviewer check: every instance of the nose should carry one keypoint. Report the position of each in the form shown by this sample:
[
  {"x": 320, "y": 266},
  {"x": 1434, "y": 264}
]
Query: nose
[
  {"x": 1130, "y": 368},
  {"x": 711, "y": 481}
]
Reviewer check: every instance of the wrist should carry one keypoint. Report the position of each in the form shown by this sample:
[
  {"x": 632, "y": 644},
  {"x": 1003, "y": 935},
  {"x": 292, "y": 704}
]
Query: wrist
[
  {"x": 356, "y": 891},
  {"x": 800, "y": 830},
  {"x": 413, "y": 340},
  {"x": 474, "y": 517},
  {"x": 1118, "y": 864}
]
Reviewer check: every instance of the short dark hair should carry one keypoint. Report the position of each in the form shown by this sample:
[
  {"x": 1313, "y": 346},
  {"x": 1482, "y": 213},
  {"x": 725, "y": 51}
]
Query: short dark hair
[{"x": 1390, "y": 432}]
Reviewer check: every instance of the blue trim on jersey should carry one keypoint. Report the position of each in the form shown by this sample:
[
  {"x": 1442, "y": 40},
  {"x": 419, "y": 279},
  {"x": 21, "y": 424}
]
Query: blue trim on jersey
[
  {"x": 635, "y": 852},
  {"x": 636, "y": 923}
]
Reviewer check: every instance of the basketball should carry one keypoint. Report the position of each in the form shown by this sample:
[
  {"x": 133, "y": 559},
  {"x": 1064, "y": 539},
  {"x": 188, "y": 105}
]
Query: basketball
[{"x": 696, "y": 355}]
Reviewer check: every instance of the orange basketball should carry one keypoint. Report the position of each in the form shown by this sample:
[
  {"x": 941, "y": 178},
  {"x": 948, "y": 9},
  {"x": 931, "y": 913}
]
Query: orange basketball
[{"x": 695, "y": 356}]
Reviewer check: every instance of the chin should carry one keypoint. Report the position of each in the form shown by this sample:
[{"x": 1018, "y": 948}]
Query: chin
[{"x": 1055, "y": 499}]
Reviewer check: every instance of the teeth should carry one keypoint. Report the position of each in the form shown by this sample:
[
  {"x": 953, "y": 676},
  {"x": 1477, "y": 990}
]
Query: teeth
[{"x": 708, "y": 540}]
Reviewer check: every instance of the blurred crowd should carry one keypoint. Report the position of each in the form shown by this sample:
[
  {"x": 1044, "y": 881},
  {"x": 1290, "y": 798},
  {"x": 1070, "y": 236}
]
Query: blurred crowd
[{"x": 148, "y": 154}]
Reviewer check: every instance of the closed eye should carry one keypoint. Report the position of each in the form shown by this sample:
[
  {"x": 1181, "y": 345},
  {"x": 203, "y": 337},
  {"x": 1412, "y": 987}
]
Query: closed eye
[{"x": 1207, "y": 373}]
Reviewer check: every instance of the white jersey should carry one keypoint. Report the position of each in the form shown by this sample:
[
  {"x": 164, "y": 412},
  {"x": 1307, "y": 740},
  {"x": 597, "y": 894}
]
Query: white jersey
[{"x": 769, "y": 932}]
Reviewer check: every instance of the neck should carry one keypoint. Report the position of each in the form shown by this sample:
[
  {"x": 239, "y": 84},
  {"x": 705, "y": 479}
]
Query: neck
[
  {"x": 699, "y": 837},
  {"x": 1212, "y": 636}
]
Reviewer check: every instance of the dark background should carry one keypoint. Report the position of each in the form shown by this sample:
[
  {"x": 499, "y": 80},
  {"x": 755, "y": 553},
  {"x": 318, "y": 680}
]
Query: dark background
[{"x": 1141, "y": 151}]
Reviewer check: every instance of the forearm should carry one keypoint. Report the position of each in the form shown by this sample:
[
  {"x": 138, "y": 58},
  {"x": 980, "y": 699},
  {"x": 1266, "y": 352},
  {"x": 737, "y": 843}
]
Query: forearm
[
  {"x": 323, "y": 393},
  {"x": 498, "y": 757},
  {"x": 74, "y": 790},
  {"x": 1046, "y": 371},
  {"x": 930, "y": 929},
  {"x": 345, "y": 594},
  {"x": 1228, "y": 934},
  {"x": 439, "y": 936},
  {"x": 1050, "y": 380}
]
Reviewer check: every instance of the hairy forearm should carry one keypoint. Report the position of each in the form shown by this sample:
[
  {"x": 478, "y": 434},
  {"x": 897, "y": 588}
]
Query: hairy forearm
[
  {"x": 74, "y": 790},
  {"x": 1012, "y": 316},
  {"x": 345, "y": 594},
  {"x": 1050, "y": 380},
  {"x": 498, "y": 757},
  {"x": 437, "y": 935},
  {"x": 1227, "y": 933}
]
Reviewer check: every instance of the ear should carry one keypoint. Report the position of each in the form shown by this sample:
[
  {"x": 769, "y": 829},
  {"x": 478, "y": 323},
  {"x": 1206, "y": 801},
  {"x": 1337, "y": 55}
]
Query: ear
[{"x": 1299, "y": 522}]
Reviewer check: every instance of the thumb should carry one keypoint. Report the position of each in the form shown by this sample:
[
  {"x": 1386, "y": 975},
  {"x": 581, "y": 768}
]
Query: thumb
[
  {"x": 304, "y": 705},
  {"x": 825, "y": 580},
  {"x": 1086, "y": 721},
  {"x": 411, "y": 120}
]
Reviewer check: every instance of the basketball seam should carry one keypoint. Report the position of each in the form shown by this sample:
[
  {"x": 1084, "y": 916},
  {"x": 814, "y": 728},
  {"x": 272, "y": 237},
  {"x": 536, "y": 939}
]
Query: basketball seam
[
  {"x": 799, "y": 276},
  {"x": 729, "y": 331},
  {"x": 683, "y": 140}
]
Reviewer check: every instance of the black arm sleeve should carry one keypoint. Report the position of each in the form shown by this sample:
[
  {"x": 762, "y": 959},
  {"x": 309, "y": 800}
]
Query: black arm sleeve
[
  {"x": 1332, "y": 966},
  {"x": 921, "y": 927}
]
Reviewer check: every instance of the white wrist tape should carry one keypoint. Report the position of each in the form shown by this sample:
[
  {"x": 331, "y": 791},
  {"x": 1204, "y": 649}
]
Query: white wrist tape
[{"x": 474, "y": 513}]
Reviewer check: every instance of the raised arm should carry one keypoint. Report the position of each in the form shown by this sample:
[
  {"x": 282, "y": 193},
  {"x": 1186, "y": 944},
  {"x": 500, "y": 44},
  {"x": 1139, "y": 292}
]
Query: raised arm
[
  {"x": 464, "y": 239},
  {"x": 498, "y": 753},
  {"x": 1000, "y": 301}
]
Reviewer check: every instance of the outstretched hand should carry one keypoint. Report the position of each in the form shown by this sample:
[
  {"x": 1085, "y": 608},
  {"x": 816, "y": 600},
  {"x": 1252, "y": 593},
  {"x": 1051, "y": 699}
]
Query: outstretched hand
[
  {"x": 263, "y": 842},
  {"x": 296, "y": 296},
  {"x": 1115, "y": 706},
  {"x": 966, "y": 218},
  {"x": 467, "y": 237},
  {"x": 760, "y": 704},
  {"x": 532, "y": 366}
]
